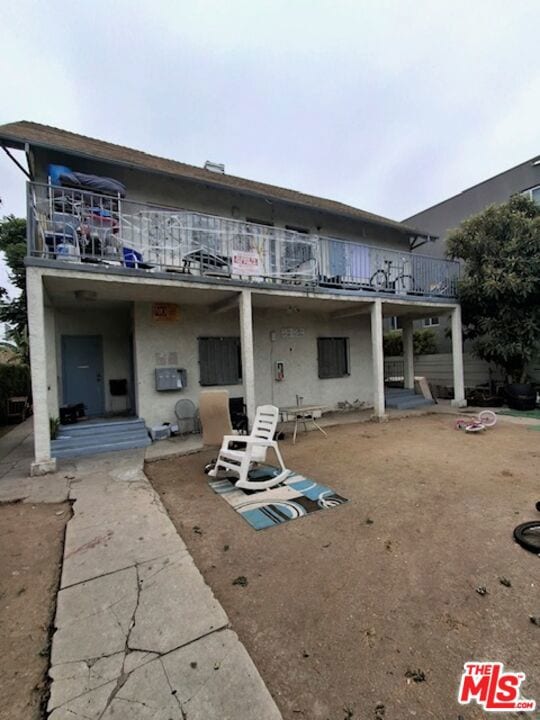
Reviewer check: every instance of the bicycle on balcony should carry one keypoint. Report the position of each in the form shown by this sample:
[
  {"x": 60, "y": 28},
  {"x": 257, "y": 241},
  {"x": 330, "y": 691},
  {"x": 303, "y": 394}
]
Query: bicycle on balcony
[{"x": 388, "y": 280}]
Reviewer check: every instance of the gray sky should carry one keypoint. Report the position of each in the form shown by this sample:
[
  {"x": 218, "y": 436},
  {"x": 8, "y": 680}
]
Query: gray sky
[{"x": 388, "y": 105}]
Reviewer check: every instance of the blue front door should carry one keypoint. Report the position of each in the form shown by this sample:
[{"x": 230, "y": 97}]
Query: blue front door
[{"x": 82, "y": 372}]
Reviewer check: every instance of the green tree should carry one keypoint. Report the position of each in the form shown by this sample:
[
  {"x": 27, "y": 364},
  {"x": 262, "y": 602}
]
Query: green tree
[
  {"x": 13, "y": 245},
  {"x": 499, "y": 289},
  {"x": 17, "y": 342}
]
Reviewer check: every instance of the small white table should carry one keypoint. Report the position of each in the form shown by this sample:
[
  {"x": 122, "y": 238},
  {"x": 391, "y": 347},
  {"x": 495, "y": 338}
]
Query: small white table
[{"x": 302, "y": 414}]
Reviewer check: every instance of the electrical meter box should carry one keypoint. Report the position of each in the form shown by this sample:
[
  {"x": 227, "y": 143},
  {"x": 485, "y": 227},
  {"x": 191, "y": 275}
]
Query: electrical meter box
[{"x": 168, "y": 378}]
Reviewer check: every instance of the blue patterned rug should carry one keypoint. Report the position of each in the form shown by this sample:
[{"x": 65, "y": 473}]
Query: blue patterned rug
[{"x": 296, "y": 497}]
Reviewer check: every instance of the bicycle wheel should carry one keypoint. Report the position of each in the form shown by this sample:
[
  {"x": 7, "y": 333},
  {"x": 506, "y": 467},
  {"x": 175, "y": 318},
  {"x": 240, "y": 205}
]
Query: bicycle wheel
[
  {"x": 475, "y": 427},
  {"x": 379, "y": 280},
  {"x": 528, "y": 536},
  {"x": 487, "y": 418},
  {"x": 405, "y": 283}
]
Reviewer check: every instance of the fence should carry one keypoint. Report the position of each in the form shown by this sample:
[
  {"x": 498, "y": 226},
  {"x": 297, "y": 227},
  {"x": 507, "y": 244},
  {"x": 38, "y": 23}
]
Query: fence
[{"x": 438, "y": 369}]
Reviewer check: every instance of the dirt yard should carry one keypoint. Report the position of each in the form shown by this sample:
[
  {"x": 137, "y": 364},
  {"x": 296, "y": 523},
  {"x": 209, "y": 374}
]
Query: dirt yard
[
  {"x": 340, "y": 605},
  {"x": 31, "y": 540}
]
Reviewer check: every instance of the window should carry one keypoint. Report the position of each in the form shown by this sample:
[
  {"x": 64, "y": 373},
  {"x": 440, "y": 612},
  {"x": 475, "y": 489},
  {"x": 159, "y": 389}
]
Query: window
[
  {"x": 333, "y": 357},
  {"x": 296, "y": 228},
  {"x": 220, "y": 361},
  {"x": 256, "y": 221},
  {"x": 431, "y": 322},
  {"x": 393, "y": 322},
  {"x": 533, "y": 194}
]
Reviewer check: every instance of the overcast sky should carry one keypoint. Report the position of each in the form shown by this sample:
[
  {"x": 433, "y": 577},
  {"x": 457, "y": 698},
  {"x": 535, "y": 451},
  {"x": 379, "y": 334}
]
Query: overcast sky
[{"x": 387, "y": 105}]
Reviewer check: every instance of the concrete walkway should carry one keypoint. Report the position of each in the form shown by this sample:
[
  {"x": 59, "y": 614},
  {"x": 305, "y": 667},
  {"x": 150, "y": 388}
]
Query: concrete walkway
[
  {"x": 139, "y": 634},
  {"x": 16, "y": 455}
]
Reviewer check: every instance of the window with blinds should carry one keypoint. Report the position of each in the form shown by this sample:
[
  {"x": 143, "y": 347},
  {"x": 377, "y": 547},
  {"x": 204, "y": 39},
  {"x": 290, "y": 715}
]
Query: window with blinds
[
  {"x": 220, "y": 361},
  {"x": 333, "y": 357}
]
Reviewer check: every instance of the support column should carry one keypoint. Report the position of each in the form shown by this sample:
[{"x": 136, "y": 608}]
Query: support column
[
  {"x": 248, "y": 362},
  {"x": 43, "y": 463},
  {"x": 457, "y": 359},
  {"x": 408, "y": 354},
  {"x": 378, "y": 361}
]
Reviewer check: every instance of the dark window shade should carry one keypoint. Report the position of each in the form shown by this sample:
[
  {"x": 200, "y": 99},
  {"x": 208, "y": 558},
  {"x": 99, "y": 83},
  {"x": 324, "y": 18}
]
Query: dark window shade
[
  {"x": 333, "y": 357},
  {"x": 255, "y": 221},
  {"x": 220, "y": 361},
  {"x": 302, "y": 230}
]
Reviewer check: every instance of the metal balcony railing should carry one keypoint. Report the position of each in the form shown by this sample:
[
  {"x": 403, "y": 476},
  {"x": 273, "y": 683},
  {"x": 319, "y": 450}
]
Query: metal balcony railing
[{"x": 78, "y": 226}]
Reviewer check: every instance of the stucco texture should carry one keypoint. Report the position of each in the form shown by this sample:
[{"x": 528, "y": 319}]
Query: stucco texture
[{"x": 299, "y": 353}]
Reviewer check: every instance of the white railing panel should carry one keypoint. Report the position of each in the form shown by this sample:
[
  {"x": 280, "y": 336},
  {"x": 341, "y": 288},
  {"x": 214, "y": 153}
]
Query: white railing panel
[{"x": 79, "y": 226}]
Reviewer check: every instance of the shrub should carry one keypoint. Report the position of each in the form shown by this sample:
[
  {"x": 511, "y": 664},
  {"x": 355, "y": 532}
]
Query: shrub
[
  {"x": 14, "y": 380},
  {"x": 424, "y": 341}
]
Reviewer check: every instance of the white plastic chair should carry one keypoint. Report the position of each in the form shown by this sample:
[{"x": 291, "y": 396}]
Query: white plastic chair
[{"x": 257, "y": 444}]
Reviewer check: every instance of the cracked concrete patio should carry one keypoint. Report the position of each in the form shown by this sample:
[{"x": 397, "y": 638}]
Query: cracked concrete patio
[{"x": 138, "y": 632}]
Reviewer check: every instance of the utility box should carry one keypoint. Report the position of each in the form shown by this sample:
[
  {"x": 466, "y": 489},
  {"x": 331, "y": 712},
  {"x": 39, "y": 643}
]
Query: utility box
[{"x": 170, "y": 378}]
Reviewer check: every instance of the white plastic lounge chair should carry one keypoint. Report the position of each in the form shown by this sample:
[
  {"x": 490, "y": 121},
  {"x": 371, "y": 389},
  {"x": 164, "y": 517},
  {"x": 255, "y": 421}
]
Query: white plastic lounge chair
[{"x": 257, "y": 443}]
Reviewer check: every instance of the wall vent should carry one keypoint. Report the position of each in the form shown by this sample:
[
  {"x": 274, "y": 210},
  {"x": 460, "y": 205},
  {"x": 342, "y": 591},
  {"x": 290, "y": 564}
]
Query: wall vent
[{"x": 214, "y": 167}]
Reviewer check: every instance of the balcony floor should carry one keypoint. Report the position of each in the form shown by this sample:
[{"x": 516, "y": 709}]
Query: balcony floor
[{"x": 229, "y": 284}]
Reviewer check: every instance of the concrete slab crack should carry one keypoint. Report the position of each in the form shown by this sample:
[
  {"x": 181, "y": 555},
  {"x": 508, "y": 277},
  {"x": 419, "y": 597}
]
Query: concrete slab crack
[
  {"x": 119, "y": 684},
  {"x": 133, "y": 617},
  {"x": 95, "y": 577},
  {"x": 173, "y": 691},
  {"x": 77, "y": 697}
]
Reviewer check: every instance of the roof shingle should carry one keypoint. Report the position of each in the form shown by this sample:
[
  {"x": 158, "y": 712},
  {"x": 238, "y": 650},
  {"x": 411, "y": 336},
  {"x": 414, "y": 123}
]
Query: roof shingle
[{"x": 18, "y": 133}]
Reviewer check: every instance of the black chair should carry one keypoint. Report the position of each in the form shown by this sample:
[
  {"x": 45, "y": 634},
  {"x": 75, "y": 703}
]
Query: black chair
[{"x": 237, "y": 410}]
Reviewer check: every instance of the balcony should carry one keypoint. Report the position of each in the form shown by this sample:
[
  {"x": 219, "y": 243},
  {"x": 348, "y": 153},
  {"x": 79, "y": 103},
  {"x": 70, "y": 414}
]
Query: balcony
[{"x": 77, "y": 226}]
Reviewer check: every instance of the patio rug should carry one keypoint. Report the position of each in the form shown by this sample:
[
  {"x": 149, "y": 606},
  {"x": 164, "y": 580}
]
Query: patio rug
[{"x": 296, "y": 497}]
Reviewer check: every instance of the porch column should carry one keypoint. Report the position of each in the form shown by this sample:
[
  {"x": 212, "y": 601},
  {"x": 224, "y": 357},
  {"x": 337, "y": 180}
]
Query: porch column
[
  {"x": 248, "y": 363},
  {"x": 378, "y": 361},
  {"x": 408, "y": 354},
  {"x": 457, "y": 359},
  {"x": 43, "y": 463}
]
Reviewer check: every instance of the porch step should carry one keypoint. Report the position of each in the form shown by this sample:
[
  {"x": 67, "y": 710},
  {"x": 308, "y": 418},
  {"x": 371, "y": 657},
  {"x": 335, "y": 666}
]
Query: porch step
[
  {"x": 92, "y": 438},
  {"x": 399, "y": 392},
  {"x": 102, "y": 427},
  {"x": 404, "y": 399}
]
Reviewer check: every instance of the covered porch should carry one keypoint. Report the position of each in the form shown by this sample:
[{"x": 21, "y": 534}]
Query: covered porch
[{"x": 263, "y": 345}]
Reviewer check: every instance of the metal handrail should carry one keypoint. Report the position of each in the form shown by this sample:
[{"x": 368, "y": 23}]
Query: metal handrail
[{"x": 79, "y": 226}]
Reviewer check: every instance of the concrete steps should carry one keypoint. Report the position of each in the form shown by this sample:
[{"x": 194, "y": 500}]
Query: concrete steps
[
  {"x": 94, "y": 437},
  {"x": 404, "y": 399}
]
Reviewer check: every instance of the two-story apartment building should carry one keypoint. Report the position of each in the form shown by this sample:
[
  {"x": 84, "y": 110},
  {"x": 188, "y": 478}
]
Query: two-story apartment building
[{"x": 149, "y": 280}]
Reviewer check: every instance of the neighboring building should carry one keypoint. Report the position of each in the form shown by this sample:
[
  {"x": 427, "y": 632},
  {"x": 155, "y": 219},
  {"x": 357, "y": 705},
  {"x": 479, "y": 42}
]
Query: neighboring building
[
  {"x": 182, "y": 277},
  {"x": 443, "y": 217}
]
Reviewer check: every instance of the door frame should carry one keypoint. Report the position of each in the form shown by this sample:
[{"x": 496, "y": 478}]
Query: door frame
[{"x": 99, "y": 340}]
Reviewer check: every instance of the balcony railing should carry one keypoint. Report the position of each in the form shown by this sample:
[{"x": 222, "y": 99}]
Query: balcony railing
[{"x": 79, "y": 226}]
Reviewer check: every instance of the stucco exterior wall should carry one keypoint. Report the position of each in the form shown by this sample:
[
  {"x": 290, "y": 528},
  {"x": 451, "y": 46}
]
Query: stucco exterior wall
[
  {"x": 298, "y": 353},
  {"x": 52, "y": 372},
  {"x": 113, "y": 324}
]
